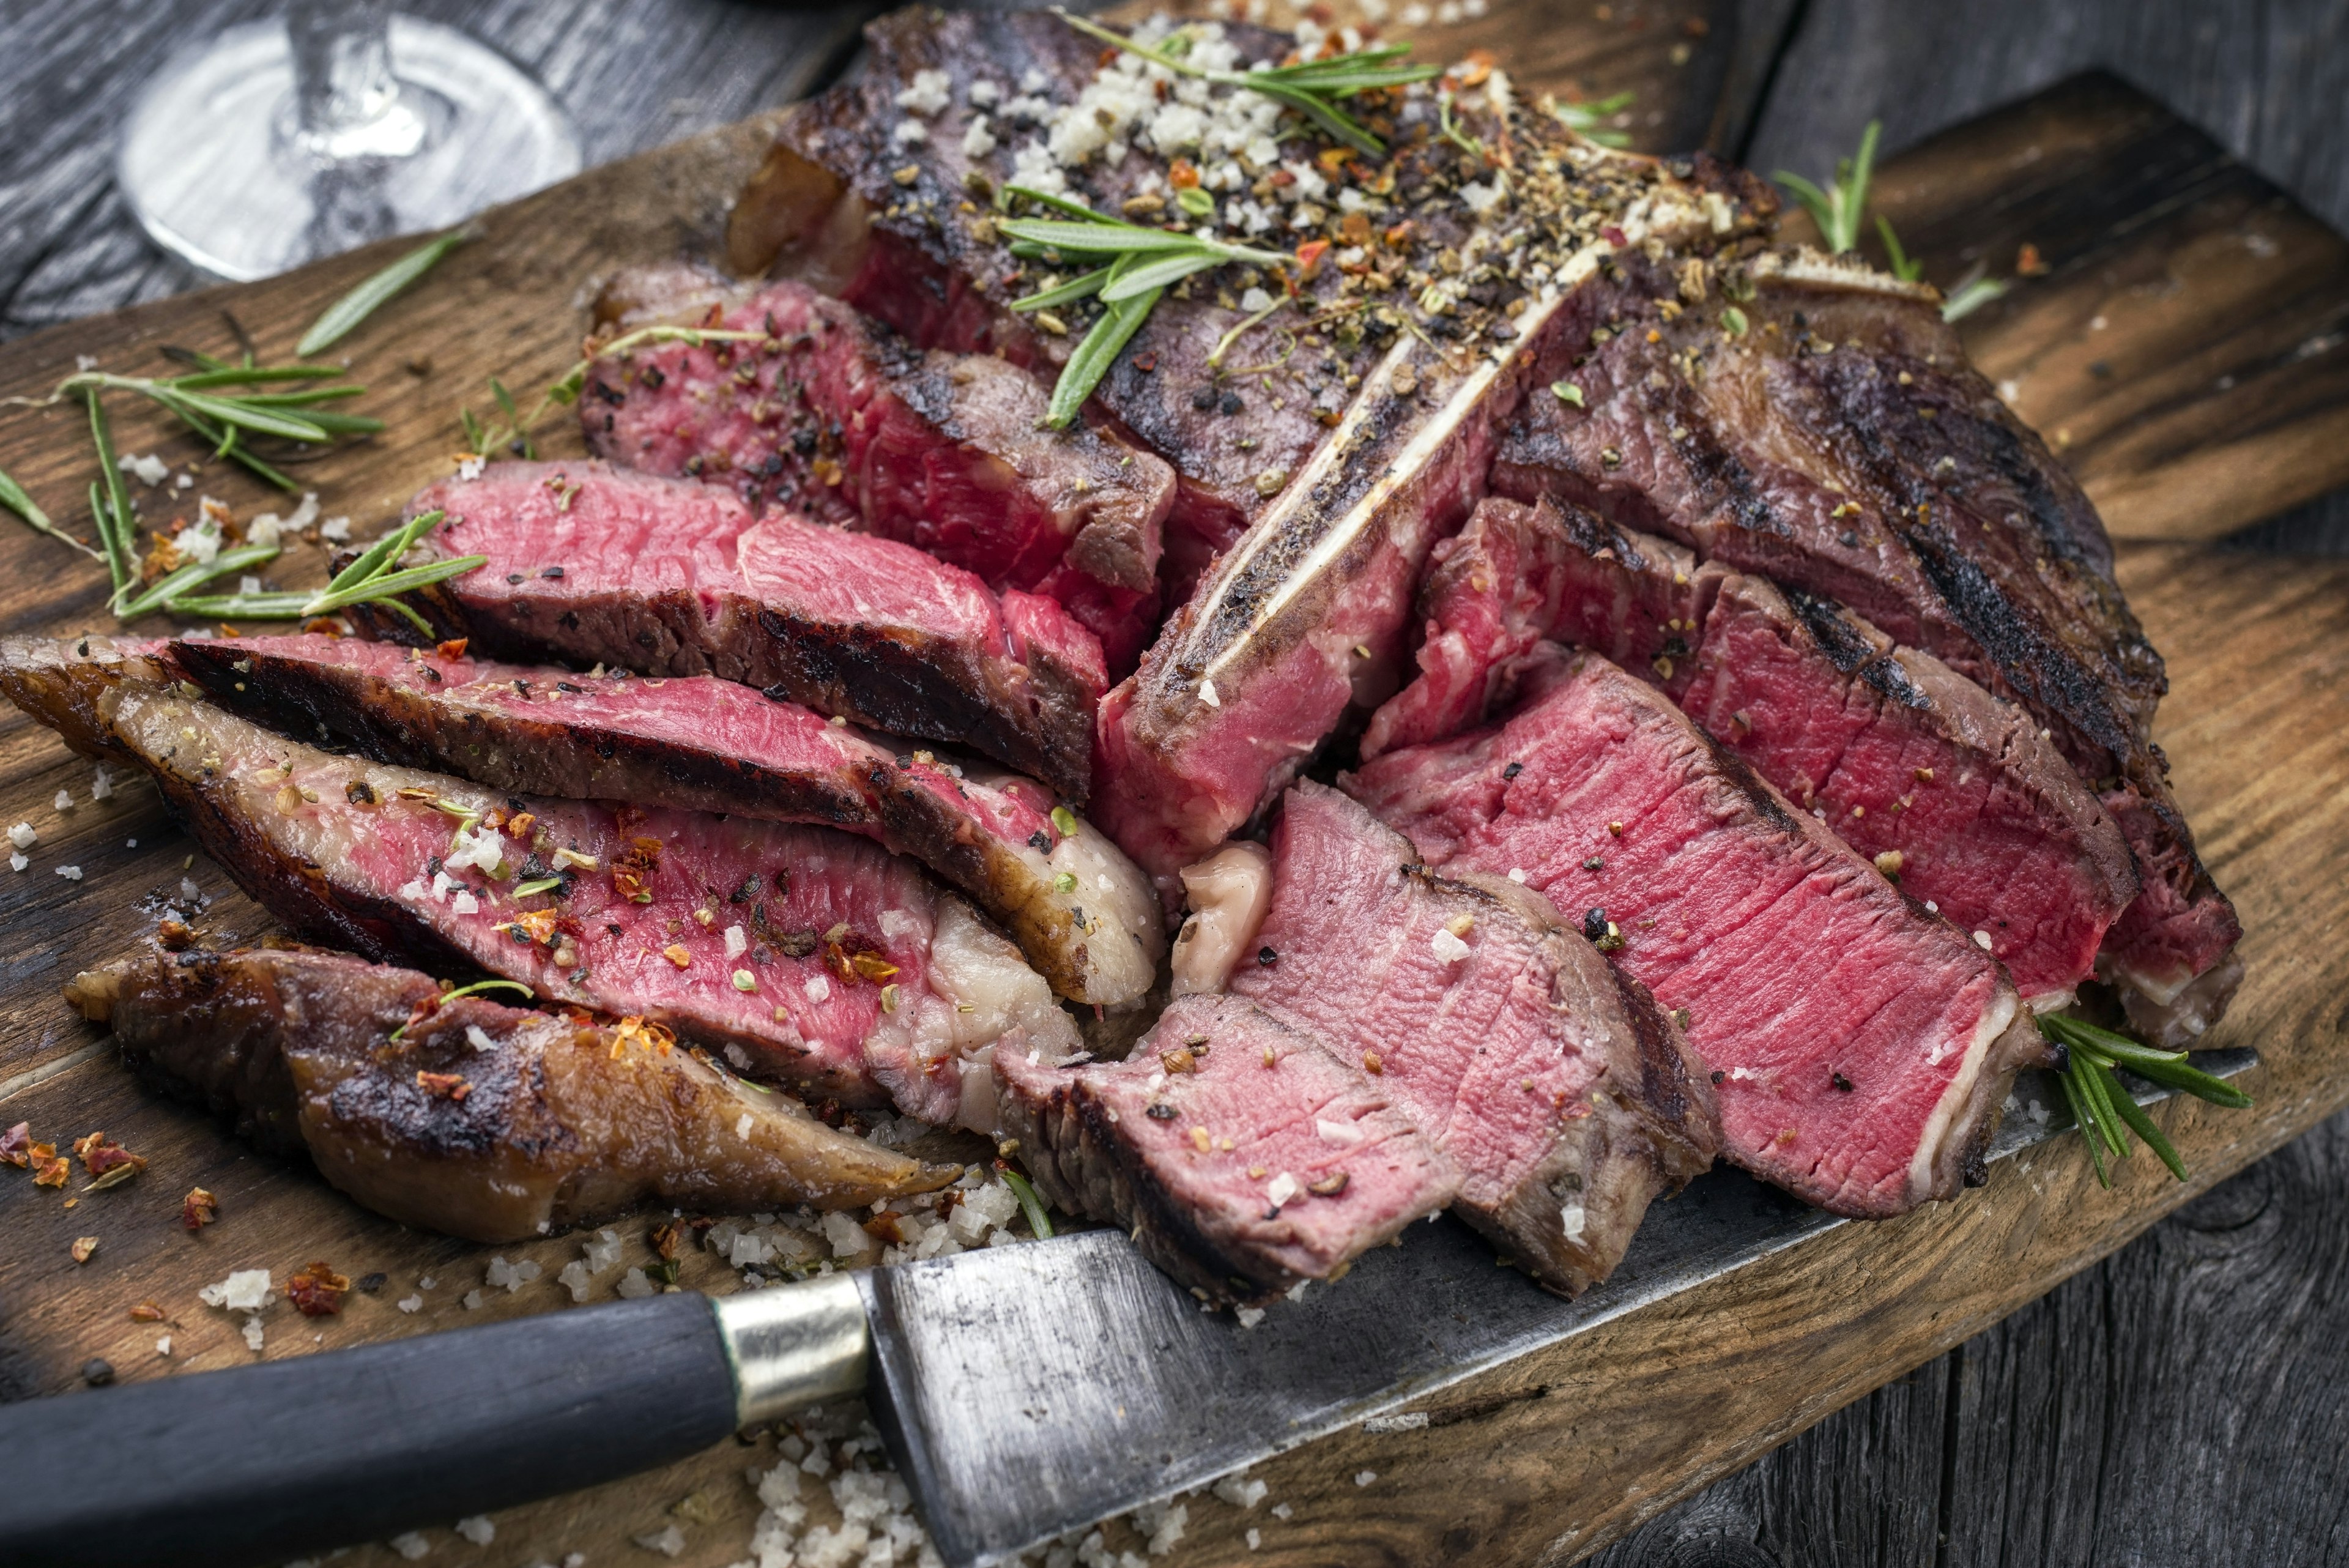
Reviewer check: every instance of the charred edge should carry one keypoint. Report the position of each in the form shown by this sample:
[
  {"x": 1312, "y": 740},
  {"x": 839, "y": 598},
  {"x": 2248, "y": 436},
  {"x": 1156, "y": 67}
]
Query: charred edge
[
  {"x": 1851, "y": 652},
  {"x": 1742, "y": 778},
  {"x": 940, "y": 693},
  {"x": 1665, "y": 1091},
  {"x": 1170, "y": 1236}
]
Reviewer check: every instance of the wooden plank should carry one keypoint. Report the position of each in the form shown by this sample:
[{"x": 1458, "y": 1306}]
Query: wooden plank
[{"x": 510, "y": 305}]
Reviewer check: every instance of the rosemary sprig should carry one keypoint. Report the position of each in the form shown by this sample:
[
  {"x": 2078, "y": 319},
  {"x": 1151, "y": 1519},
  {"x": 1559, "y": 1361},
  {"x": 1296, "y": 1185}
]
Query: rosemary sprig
[
  {"x": 14, "y": 498},
  {"x": 1838, "y": 209},
  {"x": 375, "y": 577},
  {"x": 1837, "y": 212},
  {"x": 166, "y": 591},
  {"x": 110, "y": 511},
  {"x": 1588, "y": 120},
  {"x": 1137, "y": 266},
  {"x": 1312, "y": 87},
  {"x": 2102, "y": 1104},
  {"x": 436, "y": 1003},
  {"x": 338, "y": 320}
]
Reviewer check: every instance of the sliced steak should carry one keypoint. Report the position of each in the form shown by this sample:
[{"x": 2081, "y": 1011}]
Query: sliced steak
[
  {"x": 1082, "y": 912},
  {"x": 1860, "y": 1047},
  {"x": 838, "y": 419},
  {"x": 672, "y": 577},
  {"x": 1563, "y": 1094},
  {"x": 1946, "y": 788},
  {"x": 1242, "y": 1153},
  {"x": 802, "y": 953},
  {"x": 480, "y": 1120},
  {"x": 1842, "y": 446}
]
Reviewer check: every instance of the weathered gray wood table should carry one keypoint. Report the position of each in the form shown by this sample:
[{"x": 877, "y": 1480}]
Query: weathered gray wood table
[{"x": 2186, "y": 1402}]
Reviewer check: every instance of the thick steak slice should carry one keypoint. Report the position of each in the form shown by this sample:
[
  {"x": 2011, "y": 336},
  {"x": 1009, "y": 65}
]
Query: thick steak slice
[
  {"x": 802, "y": 953},
  {"x": 1564, "y": 1095},
  {"x": 673, "y": 577},
  {"x": 1843, "y": 446},
  {"x": 838, "y": 419},
  {"x": 828, "y": 206},
  {"x": 1860, "y": 1047},
  {"x": 1242, "y": 1153},
  {"x": 706, "y": 745},
  {"x": 476, "y": 1120},
  {"x": 1946, "y": 787}
]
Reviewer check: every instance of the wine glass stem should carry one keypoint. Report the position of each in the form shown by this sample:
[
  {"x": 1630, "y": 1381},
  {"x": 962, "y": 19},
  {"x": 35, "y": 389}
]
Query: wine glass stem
[{"x": 342, "y": 66}]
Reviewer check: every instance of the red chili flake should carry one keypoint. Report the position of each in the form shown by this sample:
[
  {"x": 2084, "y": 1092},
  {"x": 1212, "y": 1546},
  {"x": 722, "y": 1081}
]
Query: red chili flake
[
  {"x": 2029, "y": 263},
  {"x": 443, "y": 1085},
  {"x": 1614, "y": 236},
  {"x": 454, "y": 648},
  {"x": 1183, "y": 174},
  {"x": 520, "y": 825},
  {"x": 1145, "y": 362},
  {"x": 318, "y": 1290},
  {"x": 885, "y": 1228},
  {"x": 147, "y": 1312},
  {"x": 1282, "y": 179},
  {"x": 174, "y": 935},
  {"x": 16, "y": 1145},
  {"x": 50, "y": 1168},
  {"x": 1309, "y": 255},
  {"x": 323, "y": 625},
  {"x": 1480, "y": 67},
  {"x": 109, "y": 1164},
  {"x": 633, "y": 868},
  {"x": 1333, "y": 158},
  {"x": 228, "y": 631},
  {"x": 82, "y": 1248},
  {"x": 198, "y": 1209}
]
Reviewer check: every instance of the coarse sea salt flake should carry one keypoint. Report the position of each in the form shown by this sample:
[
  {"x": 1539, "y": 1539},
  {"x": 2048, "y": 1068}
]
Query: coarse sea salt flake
[
  {"x": 742, "y": 1126},
  {"x": 63, "y": 803},
  {"x": 737, "y": 941},
  {"x": 1249, "y": 1316},
  {"x": 465, "y": 904},
  {"x": 22, "y": 837},
  {"x": 411, "y": 1545},
  {"x": 1283, "y": 1189},
  {"x": 1337, "y": 1132},
  {"x": 410, "y": 1303},
  {"x": 253, "y": 1335},
  {"x": 70, "y": 873},
  {"x": 1448, "y": 949},
  {"x": 477, "y": 1530},
  {"x": 245, "y": 1289},
  {"x": 479, "y": 1038},
  {"x": 1570, "y": 1220}
]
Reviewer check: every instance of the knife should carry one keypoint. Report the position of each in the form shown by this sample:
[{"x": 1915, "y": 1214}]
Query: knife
[{"x": 1022, "y": 1391}]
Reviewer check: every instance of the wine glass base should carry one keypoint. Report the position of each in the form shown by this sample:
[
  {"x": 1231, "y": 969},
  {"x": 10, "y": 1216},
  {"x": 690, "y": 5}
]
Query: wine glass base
[{"x": 215, "y": 173}]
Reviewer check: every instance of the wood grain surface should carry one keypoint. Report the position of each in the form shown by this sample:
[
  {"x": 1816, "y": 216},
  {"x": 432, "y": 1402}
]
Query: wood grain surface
[{"x": 1541, "y": 1462}]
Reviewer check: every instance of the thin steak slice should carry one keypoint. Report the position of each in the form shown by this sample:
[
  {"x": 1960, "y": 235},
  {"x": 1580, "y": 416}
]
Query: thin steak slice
[
  {"x": 1843, "y": 446},
  {"x": 1563, "y": 1094},
  {"x": 1860, "y": 1047},
  {"x": 673, "y": 577},
  {"x": 1082, "y": 912},
  {"x": 839, "y": 419},
  {"x": 802, "y": 953},
  {"x": 480, "y": 1120},
  {"x": 1242, "y": 1153},
  {"x": 1948, "y": 789}
]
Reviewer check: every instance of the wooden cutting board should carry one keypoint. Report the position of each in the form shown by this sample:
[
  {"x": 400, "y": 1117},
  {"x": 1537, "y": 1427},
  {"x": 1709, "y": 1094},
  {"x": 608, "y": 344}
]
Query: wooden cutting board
[{"x": 2184, "y": 349}]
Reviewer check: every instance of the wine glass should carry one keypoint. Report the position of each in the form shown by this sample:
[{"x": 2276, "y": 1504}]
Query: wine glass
[{"x": 284, "y": 142}]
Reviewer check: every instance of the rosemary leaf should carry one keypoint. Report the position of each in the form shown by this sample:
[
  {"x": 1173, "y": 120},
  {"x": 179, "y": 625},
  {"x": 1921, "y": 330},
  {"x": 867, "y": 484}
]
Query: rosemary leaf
[
  {"x": 225, "y": 444},
  {"x": 1104, "y": 238},
  {"x": 2086, "y": 1123},
  {"x": 1057, "y": 202},
  {"x": 115, "y": 528},
  {"x": 383, "y": 588},
  {"x": 235, "y": 412},
  {"x": 241, "y": 606},
  {"x": 514, "y": 418},
  {"x": 341, "y": 317},
  {"x": 14, "y": 498},
  {"x": 253, "y": 375},
  {"x": 1030, "y": 1204},
  {"x": 195, "y": 575},
  {"x": 1971, "y": 296},
  {"x": 1150, "y": 276},
  {"x": 389, "y": 547},
  {"x": 2142, "y": 1125},
  {"x": 1076, "y": 288},
  {"x": 1905, "y": 267},
  {"x": 1090, "y": 362}
]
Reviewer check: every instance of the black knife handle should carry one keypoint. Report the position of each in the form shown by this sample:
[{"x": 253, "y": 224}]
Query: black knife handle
[{"x": 259, "y": 1464}]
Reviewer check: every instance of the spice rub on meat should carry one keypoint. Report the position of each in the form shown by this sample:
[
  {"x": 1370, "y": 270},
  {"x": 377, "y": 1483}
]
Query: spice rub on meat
[
  {"x": 1081, "y": 911},
  {"x": 471, "y": 1118},
  {"x": 672, "y": 577},
  {"x": 1948, "y": 790},
  {"x": 1860, "y": 1048},
  {"x": 839, "y": 419},
  {"x": 1841, "y": 445},
  {"x": 1242, "y": 1150},
  {"x": 797, "y": 952}
]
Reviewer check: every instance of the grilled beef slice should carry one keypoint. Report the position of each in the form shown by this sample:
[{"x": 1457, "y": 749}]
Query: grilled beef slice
[
  {"x": 838, "y": 419},
  {"x": 1948, "y": 789},
  {"x": 706, "y": 745},
  {"x": 802, "y": 953},
  {"x": 673, "y": 577},
  {"x": 1237, "y": 1146},
  {"x": 1843, "y": 446},
  {"x": 480, "y": 1120},
  {"x": 1860, "y": 1047},
  {"x": 1563, "y": 1094}
]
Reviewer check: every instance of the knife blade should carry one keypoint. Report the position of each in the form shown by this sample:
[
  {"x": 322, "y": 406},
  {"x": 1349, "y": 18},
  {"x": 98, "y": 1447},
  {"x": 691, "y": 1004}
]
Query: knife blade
[{"x": 1023, "y": 1391}]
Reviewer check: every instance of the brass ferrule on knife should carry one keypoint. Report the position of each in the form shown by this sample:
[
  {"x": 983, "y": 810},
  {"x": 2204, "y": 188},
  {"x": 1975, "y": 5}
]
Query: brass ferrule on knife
[{"x": 795, "y": 1346}]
